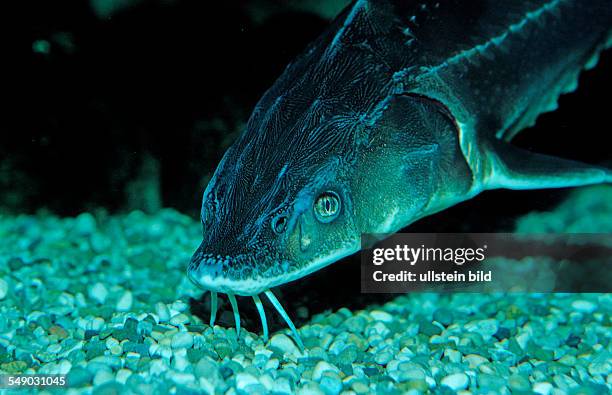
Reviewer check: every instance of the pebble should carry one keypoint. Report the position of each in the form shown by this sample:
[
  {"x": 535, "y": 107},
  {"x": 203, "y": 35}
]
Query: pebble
[
  {"x": 285, "y": 344},
  {"x": 179, "y": 319},
  {"x": 282, "y": 386},
  {"x": 543, "y": 388},
  {"x": 443, "y": 316},
  {"x": 243, "y": 380},
  {"x": 125, "y": 301},
  {"x": 103, "y": 376},
  {"x": 584, "y": 306},
  {"x": 162, "y": 312},
  {"x": 123, "y": 375},
  {"x": 475, "y": 360},
  {"x": 3, "y": 288},
  {"x": 116, "y": 350},
  {"x": 98, "y": 292},
  {"x": 79, "y": 377},
  {"x": 519, "y": 383},
  {"x": 429, "y": 329},
  {"x": 131, "y": 332},
  {"x": 379, "y": 315},
  {"x": 456, "y": 381},
  {"x": 182, "y": 340},
  {"x": 383, "y": 358},
  {"x": 322, "y": 367},
  {"x": 486, "y": 328},
  {"x": 331, "y": 385},
  {"x": 453, "y": 355}
]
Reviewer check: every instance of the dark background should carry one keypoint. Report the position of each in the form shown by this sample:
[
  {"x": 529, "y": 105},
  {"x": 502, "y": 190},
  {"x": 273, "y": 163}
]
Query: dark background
[{"x": 131, "y": 108}]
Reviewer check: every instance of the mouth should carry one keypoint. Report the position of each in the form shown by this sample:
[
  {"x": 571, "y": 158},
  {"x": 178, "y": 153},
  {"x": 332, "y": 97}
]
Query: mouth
[
  {"x": 244, "y": 274},
  {"x": 239, "y": 276},
  {"x": 251, "y": 275}
]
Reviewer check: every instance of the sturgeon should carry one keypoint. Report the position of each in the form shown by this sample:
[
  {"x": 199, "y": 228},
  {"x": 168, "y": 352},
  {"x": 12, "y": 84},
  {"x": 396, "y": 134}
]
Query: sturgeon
[{"x": 398, "y": 110}]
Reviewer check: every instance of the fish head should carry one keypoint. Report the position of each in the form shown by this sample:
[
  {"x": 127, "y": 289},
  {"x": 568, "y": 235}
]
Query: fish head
[{"x": 277, "y": 208}]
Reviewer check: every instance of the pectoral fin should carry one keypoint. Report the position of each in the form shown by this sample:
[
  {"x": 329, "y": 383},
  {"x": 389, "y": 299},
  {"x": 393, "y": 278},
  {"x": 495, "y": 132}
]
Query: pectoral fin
[{"x": 516, "y": 168}]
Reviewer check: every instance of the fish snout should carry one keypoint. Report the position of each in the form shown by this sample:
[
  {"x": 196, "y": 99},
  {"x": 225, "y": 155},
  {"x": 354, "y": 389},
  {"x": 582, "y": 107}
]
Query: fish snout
[{"x": 246, "y": 273}]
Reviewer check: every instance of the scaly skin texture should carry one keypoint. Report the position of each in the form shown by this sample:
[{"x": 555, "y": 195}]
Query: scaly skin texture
[{"x": 401, "y": 109}]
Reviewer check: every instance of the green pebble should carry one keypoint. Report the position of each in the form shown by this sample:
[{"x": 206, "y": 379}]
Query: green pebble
[
  {"x": 14, "y": 366},
  {"x": 65, "y": 323},
  {"x": 45, "y": 322},
  {"x": 502, "y": 333},
  {"x": 143, "y": 364},
  {"x": 489, "y": 381},
  {"x": 223, "y": 348},
  {"x": 573, "y": 340},
  {"x": 79, "y": 377},
  {"x": 355, "y": 324},
  {"x": 109, "y": 388},
  {"x": 16, "y": 263},
  {"x": 4, "y": 355},
  {"x": 105, "y": 333},
  {"x": 443, "y": 316},
  {"x": 161, "y": 328},
  {"x": 348, "y": 355},
  {"x": 518, "y": 383},
  {"x": 419, "y": 385},
  {"x": 346, "y": 368},
  {"x": 371, "y": 371},
  {"x": 94, "y": 349},
  {"x": 543, "y": 355},
  {"x": 138, "y": 348},
  {"x": 429, "y": 329}
]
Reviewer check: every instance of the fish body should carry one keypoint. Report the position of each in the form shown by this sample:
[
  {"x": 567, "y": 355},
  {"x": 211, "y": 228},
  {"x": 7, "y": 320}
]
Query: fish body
[{"x": 398, "y": 110}]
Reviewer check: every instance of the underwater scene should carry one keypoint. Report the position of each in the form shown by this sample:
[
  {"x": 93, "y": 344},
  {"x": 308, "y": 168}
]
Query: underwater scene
[{"x": 187, "y": 187}]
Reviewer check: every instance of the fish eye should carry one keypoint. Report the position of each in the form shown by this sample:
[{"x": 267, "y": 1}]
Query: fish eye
[
  {"x": 327, "y": 206},
  {"x": 279, "y": 224}
]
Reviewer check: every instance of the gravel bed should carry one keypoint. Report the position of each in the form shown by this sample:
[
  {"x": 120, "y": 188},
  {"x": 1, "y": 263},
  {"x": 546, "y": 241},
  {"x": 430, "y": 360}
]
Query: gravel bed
[{"x": 105, "y": 300}]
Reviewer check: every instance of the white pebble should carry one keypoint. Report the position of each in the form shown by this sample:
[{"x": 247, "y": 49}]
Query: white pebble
[
  {"x": 380, "y": 315},
  {"x": 162, "y": 311},
  {"x": 180, "y": 361},
  {"x": 182, "y": 378},
  {"x": 456, "y": 381},
  {"x": 111, "y": 342},
  {"x": 102, "y": 376},
  {"x": 166, "y": 352},
  {"x": 542, "y": 388},
  {"x": 322, "y": 367},
  {"x": 116, "y": 350},
  {"x": 179, "y": 306},
  {"x": 206, "y": 385},
  {"x": 97, "y": 323},
  {"x": 64, "y": 366},
  {"x": 475, "y": 360},
  {"x": 157, "y": 367},
  {"x": 182, "y": 340},
  {"x": 584, "y": 306},
  {"x": 245, "y": 379},
  {"x": 282, "y": 386},
  {"x": 452, "y": 355},
  {"x": 3, "y": 288},
  {"x": 179, "y": 319},
  {"x": 98, "y": 293},
  {"x": 486, "y": 328},
  {"x": 285, "y": 344},
  {"x": 123, "y": 375},
  {"x": 125, "y": 302}
]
